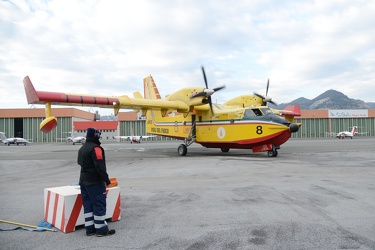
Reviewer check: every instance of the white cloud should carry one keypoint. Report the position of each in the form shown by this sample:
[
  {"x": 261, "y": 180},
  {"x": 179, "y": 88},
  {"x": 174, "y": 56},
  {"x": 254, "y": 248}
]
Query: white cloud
[{"x": 108, "y": 47}]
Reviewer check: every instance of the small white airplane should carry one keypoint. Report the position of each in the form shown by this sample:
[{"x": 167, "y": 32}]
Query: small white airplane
[
  {"x": 14, "y": 140},
  {"x": 134, "y": 138},
  {"x": 343, "y": 134},
  {"x": 76, "y": 139}
]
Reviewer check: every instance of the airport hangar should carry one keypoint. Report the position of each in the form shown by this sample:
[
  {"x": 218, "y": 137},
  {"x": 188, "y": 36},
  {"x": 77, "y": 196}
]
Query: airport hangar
[{"x": 25, "y": 123}]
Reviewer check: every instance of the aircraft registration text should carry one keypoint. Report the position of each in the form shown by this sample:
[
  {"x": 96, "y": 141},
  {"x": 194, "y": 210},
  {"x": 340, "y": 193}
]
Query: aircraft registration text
[{"x": 160, "y": 130}]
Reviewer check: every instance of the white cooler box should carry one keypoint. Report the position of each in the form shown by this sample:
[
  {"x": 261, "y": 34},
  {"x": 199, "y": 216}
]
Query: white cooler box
[{"x": 64, "y": 210}]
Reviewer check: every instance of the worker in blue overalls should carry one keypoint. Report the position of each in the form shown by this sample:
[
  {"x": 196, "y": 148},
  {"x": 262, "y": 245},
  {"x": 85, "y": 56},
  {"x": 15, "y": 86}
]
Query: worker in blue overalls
[{"x": 93, "y": 180}]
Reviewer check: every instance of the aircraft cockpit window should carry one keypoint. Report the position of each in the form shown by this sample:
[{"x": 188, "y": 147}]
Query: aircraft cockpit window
[
  {"x": 249, "y": 113},
  {"x": 257, "y": 112},
  {"x": 266, "y": 111}
]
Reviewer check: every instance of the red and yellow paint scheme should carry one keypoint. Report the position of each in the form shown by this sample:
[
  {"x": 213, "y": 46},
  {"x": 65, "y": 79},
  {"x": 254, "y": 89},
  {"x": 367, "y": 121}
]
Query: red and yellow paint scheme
[{"x": 245, "y": 122}]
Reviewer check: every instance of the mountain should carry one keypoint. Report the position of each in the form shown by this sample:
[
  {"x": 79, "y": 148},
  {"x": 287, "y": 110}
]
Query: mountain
[{"x": 331, "y": 99}]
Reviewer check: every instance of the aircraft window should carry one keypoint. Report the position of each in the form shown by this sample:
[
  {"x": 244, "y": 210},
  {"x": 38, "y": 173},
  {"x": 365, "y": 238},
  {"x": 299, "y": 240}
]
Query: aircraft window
[
  {"x": 248, "y": 113},
  {"x": 266, "y": 111},
  {"x": 257, "y": 112}
]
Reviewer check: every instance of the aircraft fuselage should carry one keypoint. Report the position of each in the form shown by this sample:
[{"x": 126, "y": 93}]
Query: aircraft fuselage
[
  {"x": 264, "y": 131},
  {"x": 16, "y": 141}
]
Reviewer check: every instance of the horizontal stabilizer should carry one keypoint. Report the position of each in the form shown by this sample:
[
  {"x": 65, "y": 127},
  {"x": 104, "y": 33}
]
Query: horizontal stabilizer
[{"x": 293, "y": 110}]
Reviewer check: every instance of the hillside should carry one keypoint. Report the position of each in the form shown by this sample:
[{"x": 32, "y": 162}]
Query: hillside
[{"x": 331, "y": 99}]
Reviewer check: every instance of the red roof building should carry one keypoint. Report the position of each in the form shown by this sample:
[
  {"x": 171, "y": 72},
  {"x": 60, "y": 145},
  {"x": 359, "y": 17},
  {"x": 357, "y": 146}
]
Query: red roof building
[{"x": 99, "y": 125}]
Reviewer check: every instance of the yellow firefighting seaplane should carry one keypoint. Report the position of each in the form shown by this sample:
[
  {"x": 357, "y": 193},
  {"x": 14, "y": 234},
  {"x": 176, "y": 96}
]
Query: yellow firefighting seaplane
[{"x": 244, "y": 122}]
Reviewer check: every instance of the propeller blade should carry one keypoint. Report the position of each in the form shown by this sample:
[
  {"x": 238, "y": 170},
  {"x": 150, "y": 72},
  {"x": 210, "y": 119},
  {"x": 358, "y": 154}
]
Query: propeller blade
[
  {"x": 274, "y": 103},
  {"x": 210, "y": 103},
  {"x": 259, "y": 95},
  {"x": 205, "y": 92},
  {"x": 266, "y": 99},
  {"x": 208, "y": 92},
  {"x": 218, "y": 88},
  {"x": 264, "y": 103},
  {"x": 199, "y": 94},
  {"x": 209, "y": 97},
  {"x": 204, "y": 76}
]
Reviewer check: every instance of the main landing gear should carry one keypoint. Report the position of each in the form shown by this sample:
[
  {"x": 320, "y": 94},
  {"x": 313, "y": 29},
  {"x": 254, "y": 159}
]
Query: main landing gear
[{"x": 182, "y": 149}]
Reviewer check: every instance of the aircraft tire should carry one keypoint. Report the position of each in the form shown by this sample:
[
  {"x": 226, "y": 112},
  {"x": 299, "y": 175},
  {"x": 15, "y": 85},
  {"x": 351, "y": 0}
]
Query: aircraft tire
[
  {"x": 182, "y": 150},
  {"x": 224, "y": 150},
  {"x": 272, "y": 153}
]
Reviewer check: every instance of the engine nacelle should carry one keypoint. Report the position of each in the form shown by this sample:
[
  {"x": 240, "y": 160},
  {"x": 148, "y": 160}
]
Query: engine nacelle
[{"x": 197, "y": 101}]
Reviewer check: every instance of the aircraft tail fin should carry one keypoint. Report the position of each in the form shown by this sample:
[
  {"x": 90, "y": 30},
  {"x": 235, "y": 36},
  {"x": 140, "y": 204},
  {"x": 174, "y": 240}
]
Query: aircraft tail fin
[
  {"x": 150, "y": 89},
  {"x": 354, "y": 130},
  {"x": 289, "y": 112},
  {"x": 72, "y": 134},
  {"x": 2, "y": 136}
]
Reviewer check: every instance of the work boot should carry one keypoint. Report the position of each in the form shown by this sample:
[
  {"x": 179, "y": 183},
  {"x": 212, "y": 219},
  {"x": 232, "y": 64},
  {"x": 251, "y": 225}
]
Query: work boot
[{"x": 110, "y": 232}]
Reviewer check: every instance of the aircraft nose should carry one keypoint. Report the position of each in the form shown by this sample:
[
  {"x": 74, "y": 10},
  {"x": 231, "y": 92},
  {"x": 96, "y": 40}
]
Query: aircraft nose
[{"x": 293, "y": 127}]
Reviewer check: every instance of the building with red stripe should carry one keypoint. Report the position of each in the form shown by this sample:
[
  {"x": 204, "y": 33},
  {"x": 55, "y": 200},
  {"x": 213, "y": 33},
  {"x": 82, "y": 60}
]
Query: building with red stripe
[{"x": 25, "y": 123}]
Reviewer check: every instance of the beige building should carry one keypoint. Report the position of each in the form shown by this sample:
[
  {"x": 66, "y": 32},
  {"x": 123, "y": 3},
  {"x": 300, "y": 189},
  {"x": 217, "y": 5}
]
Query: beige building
[
  {"x": 25, "y": 123},
  {"x": 325, "y": 123}
]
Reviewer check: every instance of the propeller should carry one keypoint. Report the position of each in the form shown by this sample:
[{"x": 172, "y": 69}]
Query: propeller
[
  {"x": 266, "y": 99},
  {"x": 208, "y": 92}
]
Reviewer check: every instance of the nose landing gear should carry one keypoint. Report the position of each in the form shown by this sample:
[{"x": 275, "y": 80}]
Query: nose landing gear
[{"x": 273, "y": 152}]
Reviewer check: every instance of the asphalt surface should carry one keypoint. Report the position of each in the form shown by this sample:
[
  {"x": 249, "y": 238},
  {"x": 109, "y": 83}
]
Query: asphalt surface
[{"x": 316, "y": 194}]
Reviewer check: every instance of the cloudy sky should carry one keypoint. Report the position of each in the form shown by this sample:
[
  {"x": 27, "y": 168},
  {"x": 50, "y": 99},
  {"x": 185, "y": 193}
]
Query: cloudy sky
[{"x": 107, "y": 47}]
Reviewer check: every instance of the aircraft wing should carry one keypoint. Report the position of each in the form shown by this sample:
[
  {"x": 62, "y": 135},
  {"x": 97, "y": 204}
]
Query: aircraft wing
[
  {"x": 42, "y": 97},
  {"x": 362, "y": 133},
  {"x": 61, "y": 139},
  {"x": 127, "y": 137},
  {"x": 147, "y": 136}
]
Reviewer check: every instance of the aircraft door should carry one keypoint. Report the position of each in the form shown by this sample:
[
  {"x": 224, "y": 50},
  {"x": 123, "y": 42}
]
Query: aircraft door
[
  {"x": 175, "y": 126},
  {"x": 194, "y": 128}
]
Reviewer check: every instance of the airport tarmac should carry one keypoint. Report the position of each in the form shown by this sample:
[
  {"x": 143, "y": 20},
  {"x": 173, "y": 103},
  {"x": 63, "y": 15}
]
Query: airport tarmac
[{"x": 316, "y": 194}]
